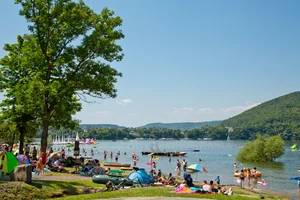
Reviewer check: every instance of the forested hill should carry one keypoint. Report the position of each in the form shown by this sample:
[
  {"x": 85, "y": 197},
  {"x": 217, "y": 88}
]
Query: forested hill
[
  {"x": 181, "y": 125},
  {"x": 277, "y": 116}
]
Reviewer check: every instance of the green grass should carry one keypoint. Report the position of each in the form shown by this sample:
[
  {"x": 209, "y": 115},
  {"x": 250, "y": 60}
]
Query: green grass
[
  {"x": 151, "y": 192},
  {"x": 45, "y": 189},
  {"x": 78, "y": 190}
]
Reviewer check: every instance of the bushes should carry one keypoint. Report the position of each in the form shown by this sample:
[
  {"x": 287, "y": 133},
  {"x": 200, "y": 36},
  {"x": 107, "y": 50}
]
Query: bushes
[{"x": 264, "y": 148}]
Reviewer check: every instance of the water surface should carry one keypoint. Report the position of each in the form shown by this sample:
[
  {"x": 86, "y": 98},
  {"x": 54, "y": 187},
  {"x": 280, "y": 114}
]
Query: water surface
[{"x": 215, "y": 159}]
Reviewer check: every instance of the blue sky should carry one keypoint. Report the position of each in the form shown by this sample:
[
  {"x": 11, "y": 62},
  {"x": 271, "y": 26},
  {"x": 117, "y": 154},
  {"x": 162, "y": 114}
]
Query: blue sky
[{"x": 192, "y": 60}]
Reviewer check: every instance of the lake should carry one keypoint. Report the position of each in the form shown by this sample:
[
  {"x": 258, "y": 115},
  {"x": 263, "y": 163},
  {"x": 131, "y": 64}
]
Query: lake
[{"x": 215, "y": 159}]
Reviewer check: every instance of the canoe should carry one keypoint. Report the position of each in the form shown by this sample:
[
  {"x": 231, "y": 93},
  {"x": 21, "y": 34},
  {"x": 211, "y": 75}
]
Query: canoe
[
  {"x": 112, "y": 164},
  {"x": 126, "y": 168},
  {"x": 195, "y": 150},
  {"x": 258, "y": 174},
  {"x": 103, "y": 179}
]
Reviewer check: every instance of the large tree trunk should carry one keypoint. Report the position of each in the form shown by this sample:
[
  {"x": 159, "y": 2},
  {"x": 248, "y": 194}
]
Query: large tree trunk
[
  {"x": 22, "y": 136},
  {"x": 46, "y": 120}
]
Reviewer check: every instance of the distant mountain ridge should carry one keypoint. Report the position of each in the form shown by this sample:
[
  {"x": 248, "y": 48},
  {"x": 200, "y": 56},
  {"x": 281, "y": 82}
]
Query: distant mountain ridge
[
  {"x": 100, "y": 126},
  {"x": 174, "y": 126},
  {"x": 181, "y": 125}
]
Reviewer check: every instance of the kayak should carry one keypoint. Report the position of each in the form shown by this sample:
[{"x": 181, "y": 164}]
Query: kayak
[
  {"x": 113, "y": 164},
  {"x": 295, "y": 178},
  {"x": 126, "y": 168},
  {"x": 103, "y": 179}
]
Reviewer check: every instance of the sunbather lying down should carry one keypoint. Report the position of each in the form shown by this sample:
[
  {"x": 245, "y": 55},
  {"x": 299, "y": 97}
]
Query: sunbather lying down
[{"x": 58, "y": 164}]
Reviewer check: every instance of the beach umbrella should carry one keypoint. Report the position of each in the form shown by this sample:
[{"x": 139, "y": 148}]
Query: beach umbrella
[
  {"x": 23, "y": 158},
  {"x": 197, "y": 167}
]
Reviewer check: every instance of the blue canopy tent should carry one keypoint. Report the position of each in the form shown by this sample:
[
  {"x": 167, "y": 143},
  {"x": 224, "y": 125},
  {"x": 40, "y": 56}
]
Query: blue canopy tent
[{"x": 140, "y": 176}]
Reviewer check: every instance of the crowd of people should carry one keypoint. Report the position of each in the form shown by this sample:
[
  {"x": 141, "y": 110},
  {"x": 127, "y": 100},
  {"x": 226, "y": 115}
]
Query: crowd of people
[
  {"x": 246, "y": 174},
  {"x": 57, "y": 162}
]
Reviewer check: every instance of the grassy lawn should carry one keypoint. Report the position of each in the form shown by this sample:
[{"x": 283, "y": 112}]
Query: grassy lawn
[
  {"x": 80, "y": 190},
  {"x": 239, "y": 194},
  {"x": 46, "y": 189}
]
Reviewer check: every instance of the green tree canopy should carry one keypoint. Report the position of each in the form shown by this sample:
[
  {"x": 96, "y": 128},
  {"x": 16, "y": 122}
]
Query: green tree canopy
[
  {"x": 67, "y": 55},
  {"x": 263, "y": 149}
]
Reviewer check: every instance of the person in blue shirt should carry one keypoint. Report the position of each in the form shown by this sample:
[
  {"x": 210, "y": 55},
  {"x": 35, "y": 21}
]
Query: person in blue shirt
[
  {"x": 218, "y": 180},
  {"x": 189, "y": 180}
]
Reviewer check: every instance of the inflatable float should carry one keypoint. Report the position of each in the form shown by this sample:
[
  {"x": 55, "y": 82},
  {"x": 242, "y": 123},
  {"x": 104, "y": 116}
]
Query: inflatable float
[
  {"x": 237, "y": 174},
  {"x": 102, "y": 179},
  {"x": 262, "y": 182},
  {"x": 295, "y": 178}
]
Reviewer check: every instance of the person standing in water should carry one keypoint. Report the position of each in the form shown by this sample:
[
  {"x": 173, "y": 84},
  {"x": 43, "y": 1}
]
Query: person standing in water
[
  {"x": 218, "y": 180},
  {"x": 178, "y": 165},
  {"x": 184, "y": 163},
  {"x": 242, "y": 178}
]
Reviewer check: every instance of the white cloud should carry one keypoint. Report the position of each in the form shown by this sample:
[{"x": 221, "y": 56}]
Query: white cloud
[
  {"x": 204, "y": 109},
  {"x": 124, "y": 102}
]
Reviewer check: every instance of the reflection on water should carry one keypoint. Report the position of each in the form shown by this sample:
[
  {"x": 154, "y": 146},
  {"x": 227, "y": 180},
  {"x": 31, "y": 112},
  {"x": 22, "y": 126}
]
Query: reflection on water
[
  {"x": 218, "y": 157},
  {"x": 268, "y": 165}
]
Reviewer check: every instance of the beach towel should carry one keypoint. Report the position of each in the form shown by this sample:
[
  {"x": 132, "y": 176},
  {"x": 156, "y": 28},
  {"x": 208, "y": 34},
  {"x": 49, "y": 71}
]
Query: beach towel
[{"x": 184, "y": 190}]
